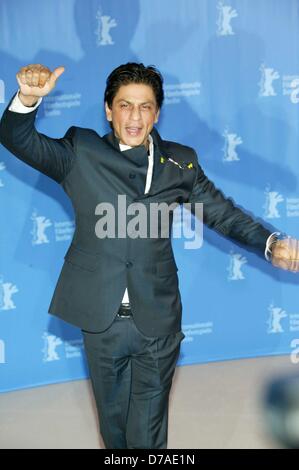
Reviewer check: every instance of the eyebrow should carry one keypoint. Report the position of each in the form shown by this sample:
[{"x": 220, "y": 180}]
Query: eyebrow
[{"x": 130, "y": 102}]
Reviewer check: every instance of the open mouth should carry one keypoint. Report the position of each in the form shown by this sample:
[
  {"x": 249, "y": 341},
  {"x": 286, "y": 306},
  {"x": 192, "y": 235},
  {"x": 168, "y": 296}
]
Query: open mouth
[{"x": 134, "y": 131}]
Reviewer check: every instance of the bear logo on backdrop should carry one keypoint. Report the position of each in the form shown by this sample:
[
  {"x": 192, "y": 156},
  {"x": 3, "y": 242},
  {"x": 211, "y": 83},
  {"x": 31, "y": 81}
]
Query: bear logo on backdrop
[
  {"x": 226, "y": 14},
  {"x": 40, "y": 223},
  {"x": 71, "y": 349},
  {"x": 273, "y": 198},
  {"x": 268, "y": 75},
  {"x": 105, "y": 24},
  {"x": 275, "y": 318},
  {"x": 2, "y": 168},
  {"x": 7, "y": 289},
  {"x": 235, "y": 265},
  {"x": 229, "y": 149},
  {"x": 280, "y": 321},
  {"x": 62, "y": 230},
  {"x": 268, "y": 85},
  {"x": 294, "y": 94},
  {"x": 51, "y": 342}
]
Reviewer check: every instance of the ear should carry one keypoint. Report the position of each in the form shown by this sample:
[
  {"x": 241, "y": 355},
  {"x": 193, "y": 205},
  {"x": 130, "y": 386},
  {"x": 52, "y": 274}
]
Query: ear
[
  {"x": 157, "y": 116},
  {"x": 108, "y": 112}
]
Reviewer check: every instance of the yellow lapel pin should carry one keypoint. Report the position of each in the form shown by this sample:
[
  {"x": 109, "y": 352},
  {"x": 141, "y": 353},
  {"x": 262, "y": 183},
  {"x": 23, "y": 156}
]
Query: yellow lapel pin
[{"x": 183, "y": 166}]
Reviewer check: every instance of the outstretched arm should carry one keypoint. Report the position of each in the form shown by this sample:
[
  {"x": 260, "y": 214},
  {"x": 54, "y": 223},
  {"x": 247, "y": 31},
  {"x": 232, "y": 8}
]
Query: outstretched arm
[
  {"x": 53, "y": 157},
  {"x": 221, "y": 214}
]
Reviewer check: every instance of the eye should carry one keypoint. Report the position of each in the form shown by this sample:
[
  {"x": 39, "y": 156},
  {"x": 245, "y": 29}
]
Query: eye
[
  {"x": 124, "y": 105},
  {"x": 146, "y": 106}
]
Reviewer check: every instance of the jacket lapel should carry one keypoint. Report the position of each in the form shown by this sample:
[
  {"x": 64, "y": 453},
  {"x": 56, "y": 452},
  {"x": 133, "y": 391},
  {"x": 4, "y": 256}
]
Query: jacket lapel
[
  {"x": 112, "y": 140},
  {"x": 160, "y": 153}
]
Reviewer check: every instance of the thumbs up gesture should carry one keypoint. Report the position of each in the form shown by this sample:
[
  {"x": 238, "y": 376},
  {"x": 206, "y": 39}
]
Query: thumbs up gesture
[{"x": 36, "y": 80}]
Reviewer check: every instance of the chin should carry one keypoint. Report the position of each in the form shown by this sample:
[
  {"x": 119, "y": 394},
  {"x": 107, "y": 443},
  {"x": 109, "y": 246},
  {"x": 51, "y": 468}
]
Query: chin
[{"x": 133, "y": 142}]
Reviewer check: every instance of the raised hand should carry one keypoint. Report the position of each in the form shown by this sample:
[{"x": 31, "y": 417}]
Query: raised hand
[
  {"x": 285, "y": 254},
  {"x": 36, "y": 80}
]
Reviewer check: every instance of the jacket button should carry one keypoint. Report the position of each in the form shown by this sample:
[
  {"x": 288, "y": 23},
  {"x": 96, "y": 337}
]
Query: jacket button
[
  {"x": 132, "y": 175},
  {"x": 129, "y": 264}
]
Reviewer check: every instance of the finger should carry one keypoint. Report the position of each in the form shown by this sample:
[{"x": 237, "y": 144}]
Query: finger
[
  {"x": 35, "y": 78},
  {"x": 56, "y": 74},
  {"x": 22, "y": 75},
  {"x": 31, "y": 72},
  {"x": 281, "y": 253},
  {"x": 294, "y": 265},
  {"x": 21, "y": 79},
  {"x": 282, "y": 245},
  {"x": 280, "y": 249},
  {"x": 294, "y": 248},
  {"x": 43, "y": 77},
  {"x": 32, "y": 66},
  {"x": 280, "y": 263},
  {"x": 28, "y": 77},
  {"x": 291, "y": 244}
]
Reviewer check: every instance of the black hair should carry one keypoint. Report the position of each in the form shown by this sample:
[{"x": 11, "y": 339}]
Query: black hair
[{"x": 134, "y": 73}]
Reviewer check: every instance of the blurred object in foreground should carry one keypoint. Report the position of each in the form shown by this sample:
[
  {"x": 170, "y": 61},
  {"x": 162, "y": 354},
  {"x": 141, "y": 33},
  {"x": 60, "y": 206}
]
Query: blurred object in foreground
[{"x": 282, "y": 410}]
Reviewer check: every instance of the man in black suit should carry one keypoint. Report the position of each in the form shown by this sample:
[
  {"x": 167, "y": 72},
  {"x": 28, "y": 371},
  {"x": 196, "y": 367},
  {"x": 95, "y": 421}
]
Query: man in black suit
[{"x": 119, "y": 283}]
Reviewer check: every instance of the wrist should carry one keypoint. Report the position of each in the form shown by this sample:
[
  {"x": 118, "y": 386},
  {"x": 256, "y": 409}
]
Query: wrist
[
  {"x": 29, "y": 100},
  {"x": 272, "y": 247},
  {"x": 271, "y": 241}
]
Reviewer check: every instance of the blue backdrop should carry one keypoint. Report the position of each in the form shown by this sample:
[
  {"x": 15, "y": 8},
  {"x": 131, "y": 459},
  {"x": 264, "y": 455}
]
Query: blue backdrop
[{"x": 231, "y": 73}]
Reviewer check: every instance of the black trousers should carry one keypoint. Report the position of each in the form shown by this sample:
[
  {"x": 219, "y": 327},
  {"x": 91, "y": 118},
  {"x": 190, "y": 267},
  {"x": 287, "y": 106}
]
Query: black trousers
[{"x": 131, "y": 376}]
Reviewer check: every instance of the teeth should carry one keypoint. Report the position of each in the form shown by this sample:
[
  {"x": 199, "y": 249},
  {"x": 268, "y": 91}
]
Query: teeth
[{"x": 133, "y": 130}]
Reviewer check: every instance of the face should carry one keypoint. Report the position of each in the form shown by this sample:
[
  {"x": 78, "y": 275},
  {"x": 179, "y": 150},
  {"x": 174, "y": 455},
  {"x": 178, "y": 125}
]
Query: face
[{"x": 133, "y": 114}]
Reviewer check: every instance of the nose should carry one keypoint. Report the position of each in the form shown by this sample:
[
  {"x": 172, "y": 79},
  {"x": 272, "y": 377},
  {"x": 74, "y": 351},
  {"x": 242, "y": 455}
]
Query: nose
[{"x": 135, "y": 114}]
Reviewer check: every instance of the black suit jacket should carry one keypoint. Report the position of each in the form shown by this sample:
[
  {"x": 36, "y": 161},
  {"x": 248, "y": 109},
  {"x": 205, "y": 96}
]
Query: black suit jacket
[{"x": 96, "y": 271}]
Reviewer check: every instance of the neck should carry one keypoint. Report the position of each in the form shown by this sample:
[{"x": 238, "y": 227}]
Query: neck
[{"x": 145, "y": 144}]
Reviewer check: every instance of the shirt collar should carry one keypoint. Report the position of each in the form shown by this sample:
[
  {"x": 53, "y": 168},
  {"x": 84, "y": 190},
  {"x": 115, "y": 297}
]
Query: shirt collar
[{"x": 124, "y": 147}]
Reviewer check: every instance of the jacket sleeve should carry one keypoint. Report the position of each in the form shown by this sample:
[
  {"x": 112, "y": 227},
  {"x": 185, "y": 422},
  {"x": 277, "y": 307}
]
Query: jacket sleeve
[
  {"x": 53, "y": 157},
  {"x": 221, "y": 214}
]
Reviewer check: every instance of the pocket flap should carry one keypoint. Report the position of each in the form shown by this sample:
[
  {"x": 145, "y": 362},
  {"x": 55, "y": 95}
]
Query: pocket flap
[
  {"x": 166, "y": 267},
  {"x": 88, "y": 261}
]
